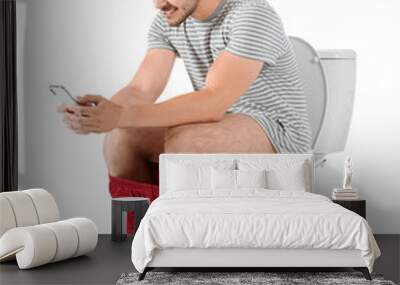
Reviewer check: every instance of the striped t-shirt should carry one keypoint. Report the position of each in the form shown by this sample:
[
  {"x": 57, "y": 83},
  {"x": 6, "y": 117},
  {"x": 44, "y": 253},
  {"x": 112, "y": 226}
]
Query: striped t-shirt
[{"x": 250, "y": 29}]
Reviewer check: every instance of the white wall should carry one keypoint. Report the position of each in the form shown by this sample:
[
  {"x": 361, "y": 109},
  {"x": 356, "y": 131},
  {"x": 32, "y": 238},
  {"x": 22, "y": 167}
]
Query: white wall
[{"x": 94, "y": 46}]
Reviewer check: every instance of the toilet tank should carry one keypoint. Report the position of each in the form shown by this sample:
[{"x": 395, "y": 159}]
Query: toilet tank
[{"x": 340, "y": 74}]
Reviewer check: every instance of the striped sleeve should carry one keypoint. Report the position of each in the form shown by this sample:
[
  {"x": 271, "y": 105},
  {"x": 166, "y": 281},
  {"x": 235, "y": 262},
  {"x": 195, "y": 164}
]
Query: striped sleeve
[
  {"x": 257, "y": 33},
  {"x": 157, "y": 36}
]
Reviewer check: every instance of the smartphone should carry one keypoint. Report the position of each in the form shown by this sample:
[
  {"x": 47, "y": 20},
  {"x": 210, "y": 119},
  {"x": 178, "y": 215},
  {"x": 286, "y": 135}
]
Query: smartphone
[{"x": 63, "y": 95}]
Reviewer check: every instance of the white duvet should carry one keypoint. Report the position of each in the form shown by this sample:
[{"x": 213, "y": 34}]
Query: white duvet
[{"x": 250, "y": 218}]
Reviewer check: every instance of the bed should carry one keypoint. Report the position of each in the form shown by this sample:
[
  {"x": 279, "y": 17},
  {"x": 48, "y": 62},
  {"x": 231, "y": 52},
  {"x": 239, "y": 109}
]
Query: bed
[{"x": 248, "y": 211}]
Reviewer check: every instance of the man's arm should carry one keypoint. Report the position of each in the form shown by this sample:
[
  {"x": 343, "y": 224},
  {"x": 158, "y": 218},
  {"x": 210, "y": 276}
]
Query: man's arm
[
  {"x": 229, "y": 77},
  {"x": 149, "y": 81}
]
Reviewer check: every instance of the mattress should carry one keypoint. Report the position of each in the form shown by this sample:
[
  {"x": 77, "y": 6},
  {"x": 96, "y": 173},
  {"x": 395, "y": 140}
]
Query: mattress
[{"x": 250, "y": 219}]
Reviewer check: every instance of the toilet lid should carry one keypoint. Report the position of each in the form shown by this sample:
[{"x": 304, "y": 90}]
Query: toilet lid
[{"x": 315, "y": 84}]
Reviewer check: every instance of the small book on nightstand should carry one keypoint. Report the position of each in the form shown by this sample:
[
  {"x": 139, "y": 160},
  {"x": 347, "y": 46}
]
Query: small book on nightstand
[{"x": 345, "y": 194}]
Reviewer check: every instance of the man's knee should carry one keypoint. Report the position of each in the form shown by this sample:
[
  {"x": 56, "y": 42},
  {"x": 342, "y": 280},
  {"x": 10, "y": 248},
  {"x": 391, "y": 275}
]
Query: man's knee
[
  {"x": 115, "y": 139},
  {"x": 123, "y": 147},
  {"x": 117, "y": 143}
]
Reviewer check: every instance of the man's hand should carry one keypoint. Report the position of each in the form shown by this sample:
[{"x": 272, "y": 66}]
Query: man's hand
[{"x": 101, "y": 118}]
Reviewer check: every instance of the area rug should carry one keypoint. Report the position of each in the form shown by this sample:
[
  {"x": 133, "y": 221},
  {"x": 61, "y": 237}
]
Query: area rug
[{"x": 244, "y": 278}]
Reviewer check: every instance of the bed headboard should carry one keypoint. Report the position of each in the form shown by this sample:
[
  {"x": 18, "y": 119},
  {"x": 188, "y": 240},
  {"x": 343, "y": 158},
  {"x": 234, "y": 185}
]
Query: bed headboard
[{"x": 308, "y": 158}]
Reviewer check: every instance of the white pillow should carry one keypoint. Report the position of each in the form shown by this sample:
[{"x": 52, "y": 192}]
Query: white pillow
[
  {"x": 227, "y": 179},
  {"x": 282, "y": 174},
  {"x": 187, "y": 174},
  {"x": 292, "y": 179},
  {"x": 188, "y": 177},
  {"x": 223, "y": 179},
  {"x": 251, "y": 178}
]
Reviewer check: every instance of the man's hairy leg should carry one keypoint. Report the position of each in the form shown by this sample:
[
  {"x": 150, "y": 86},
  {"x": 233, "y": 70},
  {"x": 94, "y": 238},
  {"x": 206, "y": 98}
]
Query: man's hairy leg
[
  {"x": 236, "y": 133},
  {"x": 127, "y": 152}
]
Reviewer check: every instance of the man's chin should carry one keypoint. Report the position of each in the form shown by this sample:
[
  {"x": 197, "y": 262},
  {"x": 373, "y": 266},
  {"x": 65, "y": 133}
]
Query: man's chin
[{"x": 175, "y": 22}]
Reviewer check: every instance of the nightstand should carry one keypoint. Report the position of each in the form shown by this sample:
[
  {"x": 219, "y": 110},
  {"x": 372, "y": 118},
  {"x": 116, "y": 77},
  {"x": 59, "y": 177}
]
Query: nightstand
[{"x": 357, "y": 206}]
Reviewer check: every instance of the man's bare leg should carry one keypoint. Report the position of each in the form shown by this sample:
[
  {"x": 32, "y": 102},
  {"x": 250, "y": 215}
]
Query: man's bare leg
[
  {"x": 127, "y": 152},
  {"x": 236, "y": 133}
]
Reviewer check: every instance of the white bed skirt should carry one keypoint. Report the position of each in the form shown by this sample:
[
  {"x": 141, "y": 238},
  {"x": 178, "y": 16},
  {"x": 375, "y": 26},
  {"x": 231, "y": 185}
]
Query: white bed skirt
[{"x": 178, "y": 257}]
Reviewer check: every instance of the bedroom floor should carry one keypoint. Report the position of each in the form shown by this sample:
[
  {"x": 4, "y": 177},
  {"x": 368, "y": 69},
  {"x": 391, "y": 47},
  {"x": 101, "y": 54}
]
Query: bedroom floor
[{"x": 110, "y": 260}]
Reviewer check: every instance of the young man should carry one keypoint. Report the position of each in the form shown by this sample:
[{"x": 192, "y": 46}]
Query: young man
[{"x": 247, "y": 94}]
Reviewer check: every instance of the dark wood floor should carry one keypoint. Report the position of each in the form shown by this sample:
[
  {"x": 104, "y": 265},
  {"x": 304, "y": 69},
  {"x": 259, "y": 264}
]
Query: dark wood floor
[{"x": 110, "y": 260}]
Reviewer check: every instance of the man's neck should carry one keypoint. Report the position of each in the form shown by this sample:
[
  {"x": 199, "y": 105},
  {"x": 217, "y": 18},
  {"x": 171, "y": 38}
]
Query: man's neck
[{"x": 205, "y": 8}]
